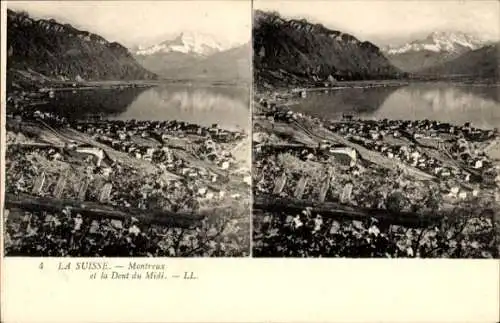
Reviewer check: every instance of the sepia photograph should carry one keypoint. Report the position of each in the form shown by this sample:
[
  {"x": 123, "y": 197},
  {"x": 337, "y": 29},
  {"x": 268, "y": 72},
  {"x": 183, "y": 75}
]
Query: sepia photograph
[
  {"x": 128, "y": 129},
  {"x": 376, "y": 129}
]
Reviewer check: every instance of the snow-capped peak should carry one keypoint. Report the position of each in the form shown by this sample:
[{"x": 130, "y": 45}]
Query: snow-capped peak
[
  {"x": 440, "y": 41},
  {"x": 187, "y": 43}
]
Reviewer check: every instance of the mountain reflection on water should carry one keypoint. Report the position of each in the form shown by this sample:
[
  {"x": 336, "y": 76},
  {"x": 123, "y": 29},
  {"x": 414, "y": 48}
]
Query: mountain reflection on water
[
  {"x": 453, "y": 103},
  {"x": 80, "y": 103},
  {"x": 226, "y": 106}
]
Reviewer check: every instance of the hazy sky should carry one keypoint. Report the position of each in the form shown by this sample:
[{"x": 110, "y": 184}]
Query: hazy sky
[
  {"x": 394, "y": 21},
  {"x": 143, "y": 22}
]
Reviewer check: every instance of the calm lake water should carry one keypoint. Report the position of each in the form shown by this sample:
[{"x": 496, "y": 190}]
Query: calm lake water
[
  {"x": 226, "y": 106},
  {"x": 444, "y": 102}
]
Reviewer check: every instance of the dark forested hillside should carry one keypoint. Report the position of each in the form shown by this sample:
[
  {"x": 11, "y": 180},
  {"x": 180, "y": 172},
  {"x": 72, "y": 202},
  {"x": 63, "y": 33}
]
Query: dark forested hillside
[
  {"x": 296, "y": 51},
  {"x": 64, "y": 52}
]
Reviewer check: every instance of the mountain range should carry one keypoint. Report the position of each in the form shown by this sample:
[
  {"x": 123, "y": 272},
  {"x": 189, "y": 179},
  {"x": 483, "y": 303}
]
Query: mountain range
[
  {"x": 435, "y": 49},
  {"x": 285, "y": 52},
  {"x": 483, "y": 63},
  {"x": 296, "y": 51},
  {"x": 49, "y": 49},
  {"x": 230, "y": 65},
  {"x": 197, "y": 44},
  {"x": 299, "y": 52},
  {"x": 197, "y": 56}
]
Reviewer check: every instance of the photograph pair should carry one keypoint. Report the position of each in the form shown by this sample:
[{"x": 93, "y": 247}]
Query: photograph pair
[{"x": 265, "y": 128}]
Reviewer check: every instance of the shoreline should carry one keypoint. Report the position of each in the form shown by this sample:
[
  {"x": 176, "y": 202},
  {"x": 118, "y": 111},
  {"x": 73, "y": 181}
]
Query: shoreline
[
  {"x": 382, "y": 83},
  {"x": 35, "y": 83}
]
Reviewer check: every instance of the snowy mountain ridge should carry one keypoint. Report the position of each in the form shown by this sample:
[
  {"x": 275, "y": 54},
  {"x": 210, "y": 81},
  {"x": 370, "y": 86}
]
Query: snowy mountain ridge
[
  {"x": 452, "y": 42},
  {"x": 194, "y": 43}
]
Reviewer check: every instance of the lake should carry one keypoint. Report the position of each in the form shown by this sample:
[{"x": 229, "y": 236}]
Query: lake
[
  {"x": 453, "y": 103},
  {"x": 204, "y": 105}
]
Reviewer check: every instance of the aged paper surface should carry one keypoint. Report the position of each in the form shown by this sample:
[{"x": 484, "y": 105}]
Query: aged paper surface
[{"x": 144, "y": 142}]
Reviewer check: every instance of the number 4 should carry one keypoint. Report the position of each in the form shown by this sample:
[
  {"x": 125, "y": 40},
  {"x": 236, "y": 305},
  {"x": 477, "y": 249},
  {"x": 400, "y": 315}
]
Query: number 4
[{"x": 40, "y": 266}]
